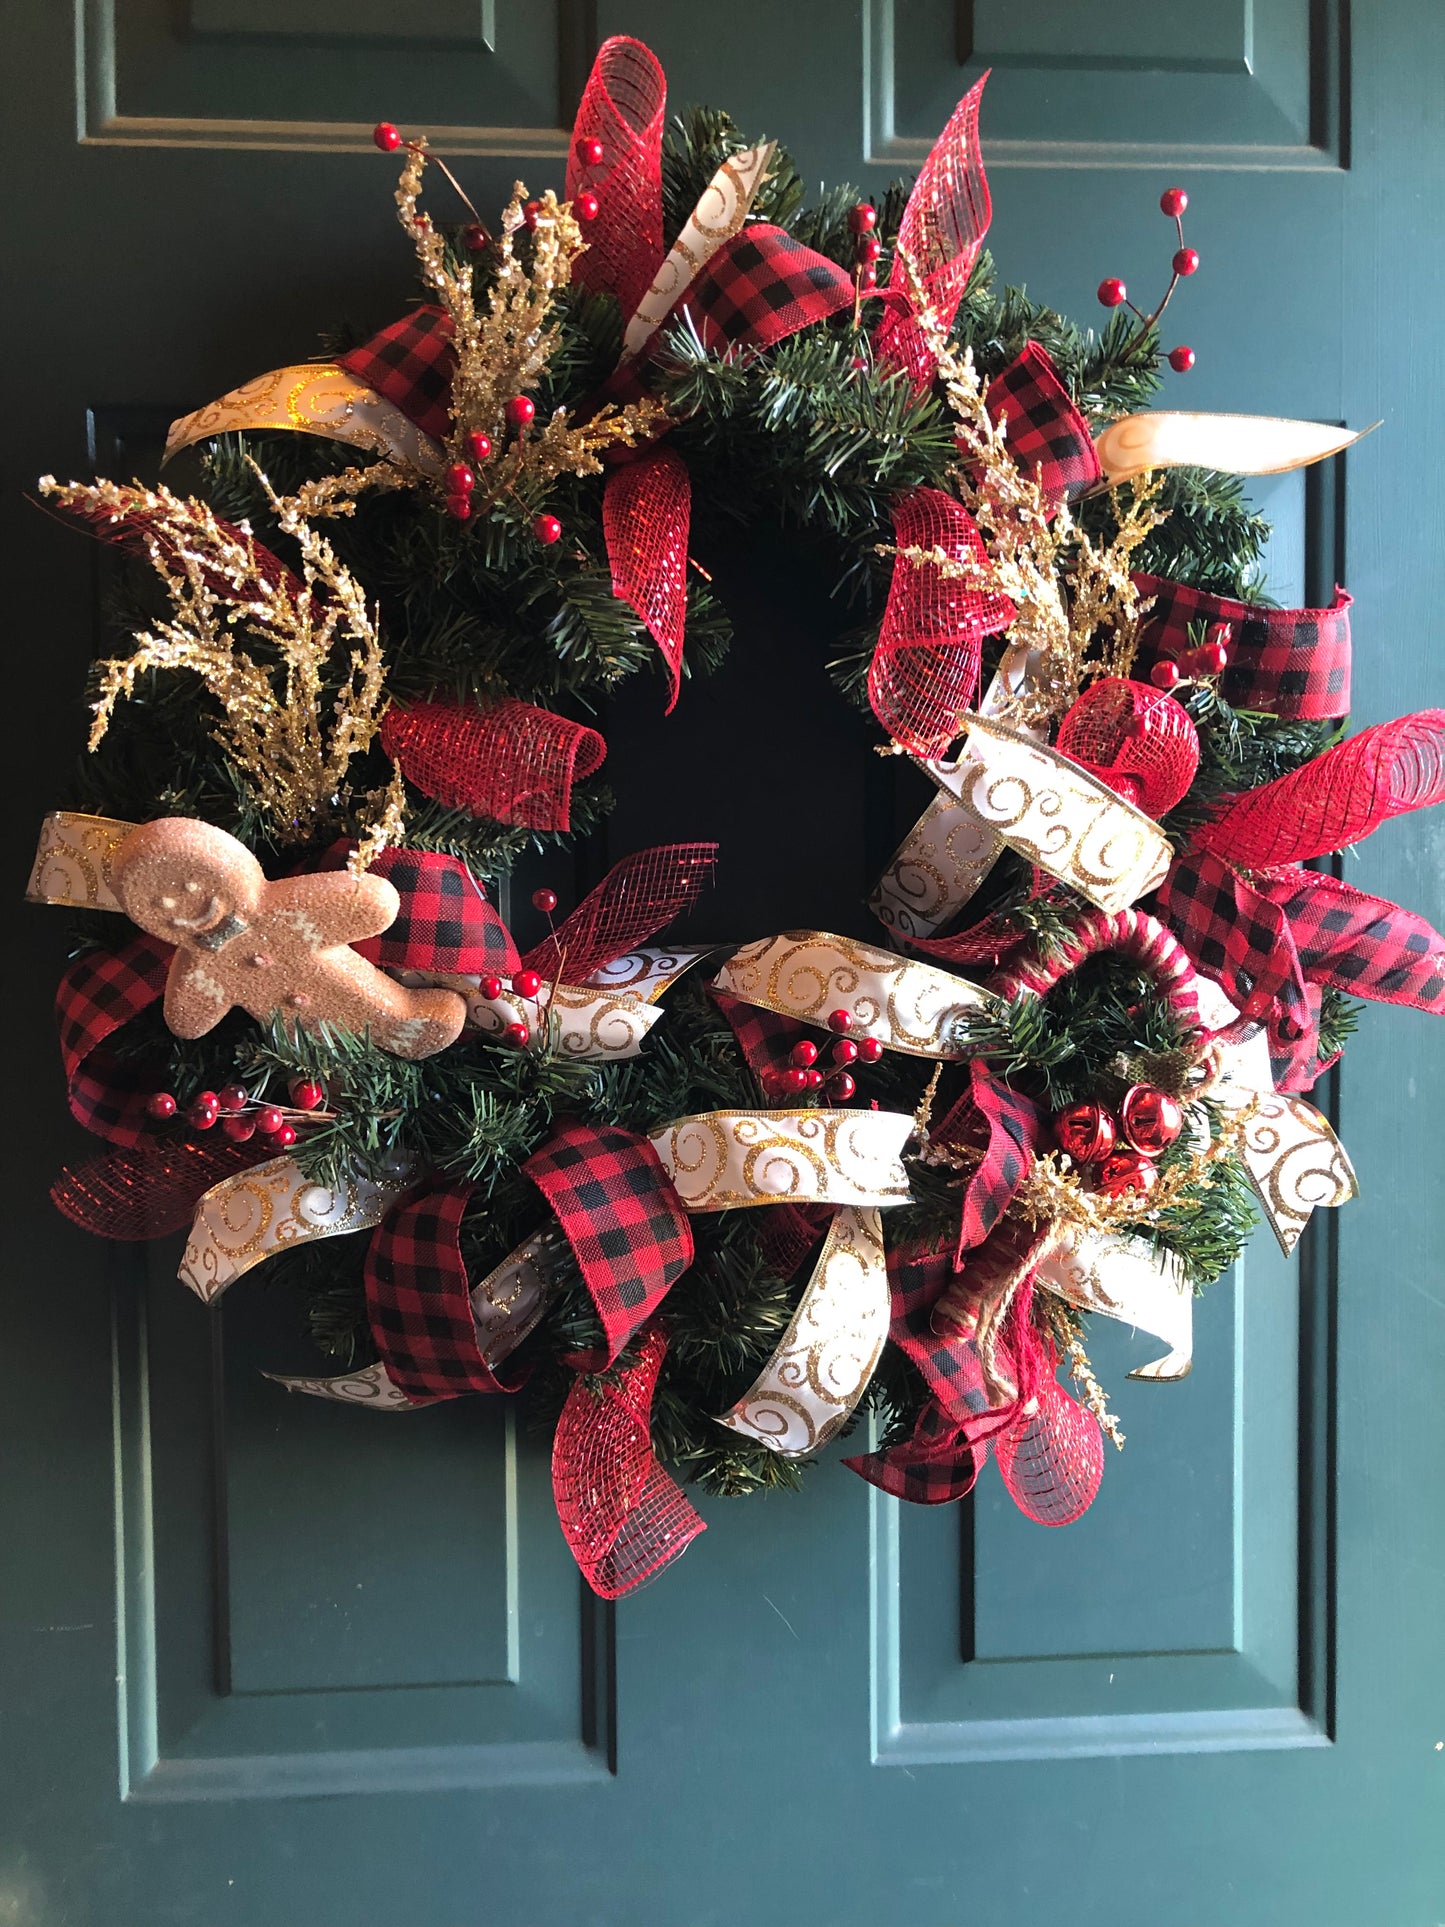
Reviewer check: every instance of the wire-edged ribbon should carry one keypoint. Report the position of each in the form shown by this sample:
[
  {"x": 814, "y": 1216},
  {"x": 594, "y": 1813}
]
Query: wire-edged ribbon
[
  {"x": 507, "y": 760},
  {"x": 1044, "y": 431},
  {"x": 1292, "y": 663}
]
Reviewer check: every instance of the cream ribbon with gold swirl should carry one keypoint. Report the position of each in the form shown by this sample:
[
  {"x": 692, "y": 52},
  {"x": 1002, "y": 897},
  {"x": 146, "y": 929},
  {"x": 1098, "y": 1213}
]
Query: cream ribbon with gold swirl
[
  {"x": 370, "y": 1388},
  {"x": 730, "y": 1160},
  {"x": 808, "y": 974},
  {"x": 1236, "y": 444},
  {"x": 245, "y": 1219},
  {"x": 313, "y": 398},
  {"x": 1129, "y": 1280},
  {"x": 717, "y": 218},
  {"x": 821, "y": 1369},
  {"x": 72, "y": 860}
]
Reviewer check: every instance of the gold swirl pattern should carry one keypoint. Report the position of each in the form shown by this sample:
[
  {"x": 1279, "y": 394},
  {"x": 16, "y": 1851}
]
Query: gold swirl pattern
[
  {"x": 511, "y": 1299},
  {"x": 588, "y": 1024},
  {"x": 316, "y": 398},
  {"x": 371, "y": 1388},
  {"x": 244, "y": 1219},
  {"x": 717, "y": 217},
  {"x": 730, "y": 1160},
  {"x": 72, "y": 860},
  {"x": 907, "y": 1006},
  {"x": 1057, "y": 815},
  {"x": 936, "y": 869},
  {"x": 1147, "y": 1288},
  {"x": 646, "y": 973},
  {"x": 822, "y": 1367}
]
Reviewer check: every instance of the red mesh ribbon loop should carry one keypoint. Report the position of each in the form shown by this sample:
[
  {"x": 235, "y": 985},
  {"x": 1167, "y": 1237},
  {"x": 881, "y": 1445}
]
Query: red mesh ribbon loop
[
  {"x": 942, "y": 229},
  {"x": 1052, "y": 1461},
  {"x": 411, "y": 364},
  {"x": 1128, "y": 933},
  {"x": 1293, "y": 663},
  {"x": 622, "y": 1516},
  {"x": 1142, "y": 744},
  {"x": 762, "y": 286},
  {"x": 152, "y": 1190},
  {"x": 1338, "y": 799},
  {"x": 633, "y": 902},
  {"x": 924, "y": 672},
  {"x": 622, "y": 106},
  {"x": 1009, "y": 1128},
  {"x": 1046, "y": 434},
  {"x": 100, "y": 991},
  {"x": 621, "y": 1216},
  {"x": 506, "y": 760},
  {"x": 418, "y": 1299},
  {"x": 646, "y": 509}
]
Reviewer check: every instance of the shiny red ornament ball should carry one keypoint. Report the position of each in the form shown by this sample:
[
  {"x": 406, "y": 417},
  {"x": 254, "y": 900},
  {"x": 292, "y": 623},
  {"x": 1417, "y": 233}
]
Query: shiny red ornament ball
[
  {"x": 460, "y": 479},
  {"x": 547, "y": 529},
  {"x": 1181, "y": 360},
  {"x": 479, "y": 446},
  {"x": 232, "y": 1097},
  {"x": 841, "y": 1086},
  {"x": 238, "y": 1129},
  {"x": 1150, "y": 1119},
  {"x": 387, "y": 137},
  {"x": 530, "y": 212},
  {"x": 203, "y": 1110},
  {"x": 805, "y": 1053},
  {"x": 586, "y": 205},
  {"x": 286, "y": 1136},
  {"x": 521, "y": 411},
  {"x": 1112, "y": 292},
  {"x": 815, "y": 1080},
  {"x": 490, "y": 988},
  {"x": 526, "y": 983},
  {"x": 840, "y": 1020},
  {"x": 1125, "y": 1171},
  {"x": 269, "y": 1120},
  {"x": 845, "y": 1051},
  {"x": 794, "y": 1081},
  {"x": 1186, "y": 261},
  {"x": 870, "y": 1049},
  {"x": 307, "y": 1094},
  {"x": 545, "y": 901},
  {"x": 1086, "y": 1131},
  {"x": 863, "y": 218},
  {"x": 1165, "y": 673},
  {"x": 869, "y": 247},
  {"x": 517, "y": 1034},
  {"x": 1173, "y": 202},
  {"x": 589, "y": 151},
  {"x": 867, "y": 277},
  {"x": 160, "y": 1107},
  {"x": 459, "y": 507}
]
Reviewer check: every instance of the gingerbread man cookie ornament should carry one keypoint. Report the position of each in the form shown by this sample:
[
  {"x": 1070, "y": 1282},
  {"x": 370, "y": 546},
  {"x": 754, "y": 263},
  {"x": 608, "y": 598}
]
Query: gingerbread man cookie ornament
[{"x": 273, "y": 948}]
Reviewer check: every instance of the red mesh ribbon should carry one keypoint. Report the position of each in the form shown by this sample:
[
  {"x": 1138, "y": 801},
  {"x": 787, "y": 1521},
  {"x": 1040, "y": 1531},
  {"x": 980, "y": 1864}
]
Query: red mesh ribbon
[
  {"x": 418, "y": 1299},
  {"x": 138, "y": 529},
  {"x": 1008, "y": 1128},
  {"x": 506, "y": 760},
  {"x": 1046, "y": 434},
  {"x": 994, "y": 938},
  {"x": 1338, "y": 799},
  {"x": 1142, "y": 744},
  {"x": 152, "y": 1190},
  {"x": 445, "y": 922},
  {"x": 622, "y": 106},
  {"x": 1293, "y": 663},
  {"x": 1128, "y": 933},
  {"x": 762, "y": 286},
  {"x": 633, "y": 902},
  {"x": 646, "y": 508},
  {"x": 942, "y": 229},
  {"x": 622, "y": 1516},
  {"x": 925, "y": 668},
  {"x": 100, "y": 991},
  {"x": 411, "y": 363},
  {"x": 1052, "y": 1461},
  {"x": 621, "y": 1216}
]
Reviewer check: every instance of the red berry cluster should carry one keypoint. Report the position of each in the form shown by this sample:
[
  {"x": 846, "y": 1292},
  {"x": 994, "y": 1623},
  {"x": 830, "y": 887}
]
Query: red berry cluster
[
  {"x": 1120, "y": 1150},
  {"x": 1113, "y": 293},
  {"x": 1211, "y": 658},
  {"x": 866, "y": 246},
  {"x": 589, "y": 151},
  {"x": 241, "y": 1116},
  {"x": 803, "y": 1074}
]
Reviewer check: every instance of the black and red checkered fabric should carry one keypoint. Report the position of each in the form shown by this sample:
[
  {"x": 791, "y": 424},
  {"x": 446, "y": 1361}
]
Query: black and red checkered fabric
[
  {"x": 765, "y": 1037},
  {"x": 100, "y": 991},
  {"x": 445, "y": 922},
  {"x": 1236, "y": 936},
  {"x": 1292, "y": 663},
  {"x": 411, "y": 363},
  {"x": 762, "y": 286},
  {"x": 935, "y": 1466},
  {"x": 418, "y": 1300},
  {"x": 1046, "y": 434},
  {"x": 622, "y": 1217},
  {"x": 1010, "y": 1129}
]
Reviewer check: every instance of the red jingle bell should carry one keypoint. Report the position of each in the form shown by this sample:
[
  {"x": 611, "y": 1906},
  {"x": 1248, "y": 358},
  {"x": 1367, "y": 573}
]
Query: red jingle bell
[
  {"x": 1125, "y": 1171},
  {"x": 1086, "y": 1131},
  {"x": 1151, "y": 1120},
  {"x": 1135, "y": 739}
]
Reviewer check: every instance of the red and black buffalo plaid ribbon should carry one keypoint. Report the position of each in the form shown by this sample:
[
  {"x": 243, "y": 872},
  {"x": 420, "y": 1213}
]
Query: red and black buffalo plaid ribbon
[
  {"x": 762, "y": 286},
  {"x": 621, "y": 1216},
  {"x": 445, "y": 922},
  {"x": 418, "y": 1299},
  {"x": 1046, "y": 434},
  {"x": 1292, "y": 663},
  {"x": 99, "y": 992},
  {"x": 1008, "y": 1127},
  {"x": 411, "y": 363}
]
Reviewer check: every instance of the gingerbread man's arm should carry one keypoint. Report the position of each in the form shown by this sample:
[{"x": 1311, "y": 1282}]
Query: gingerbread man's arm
[
  {"x": 331, "y": 906},
  {"x": 196, "y": 997}
]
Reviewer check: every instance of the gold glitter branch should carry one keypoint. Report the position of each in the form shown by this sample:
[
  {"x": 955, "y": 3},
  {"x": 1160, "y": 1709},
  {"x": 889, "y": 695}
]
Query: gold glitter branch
[{"x": 272, "y": 727}]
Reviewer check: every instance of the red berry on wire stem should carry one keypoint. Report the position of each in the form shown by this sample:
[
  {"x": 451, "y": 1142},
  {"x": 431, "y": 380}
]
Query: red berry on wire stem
[
  {"x": 840, "y": 1020},
  {"x": 1173, "y": 202},
  {"x": 863, "y": 218},
  {"x": 479, "y": 446},
  {"x": 386, "y": 136},
  {"x": 1181, "y": 360},
  {"x": 1112, "y": 292},
  {"x": 232, "y": 1097},
  {"x": 530, "y": 211},
  {"x": 589, "y": 151},
  {"x": 307, "y": 1094},
  {"x": 521, "y": 411},
  {"x": 804, "y": 1053},
  {"x": 547, "y": 529},
  {"x": 545, "y": 901},
  {"x": 459, "y": 507},
  {"x": 474, "y": 237},
  {"x": 841, "y": 1086},
  {"x": 845, "y": 1051},
  {"x": 269, "y": 1120},
  {"x": 517, "y": 1034},
  {"x": 1165, "y": 673},
  {"x": 460, "y": 479},
  {"x": 869, "y": 247},
  {"x": 586, "y": 205},
  {"x": 794, "y": 1081},
  {"x": 867, "y": 277},
  {"x": 815, "y": 1080},
  {"x": 286, "y": 1136},
  {"x": 1211, "y": 660},
  {"x": 160, "y": 1107},
  {"x": 203, "y": 1110},
  {"x": 1186, "y": 260},
  {"x": 238, "y": 1129},
  {"x": 870, "y": 1049},
  {"x": 526, "y": 983},
  {"x": 490, "y": 988}
]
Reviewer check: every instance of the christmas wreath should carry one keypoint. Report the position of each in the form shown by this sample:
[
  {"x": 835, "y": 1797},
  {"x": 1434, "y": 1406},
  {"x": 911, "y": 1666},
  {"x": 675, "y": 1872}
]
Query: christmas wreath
[{"x": 1066, "y": 1074}]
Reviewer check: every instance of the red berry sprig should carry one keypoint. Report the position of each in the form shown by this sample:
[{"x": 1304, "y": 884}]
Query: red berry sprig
[
  {"x": 1113, "y": 293},
  {"x": 1207, "y": 658},
  {"x": 240, "y": 1115},
  {"x": 867, "y": 249}
]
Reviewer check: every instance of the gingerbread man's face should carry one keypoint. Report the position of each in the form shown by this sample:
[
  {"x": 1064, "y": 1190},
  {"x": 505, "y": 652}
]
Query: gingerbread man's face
[{"x": 188, "y": 882}]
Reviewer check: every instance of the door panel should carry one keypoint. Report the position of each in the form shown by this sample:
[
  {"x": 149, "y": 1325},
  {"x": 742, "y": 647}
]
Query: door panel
[{"x": 270, "y": 1662}]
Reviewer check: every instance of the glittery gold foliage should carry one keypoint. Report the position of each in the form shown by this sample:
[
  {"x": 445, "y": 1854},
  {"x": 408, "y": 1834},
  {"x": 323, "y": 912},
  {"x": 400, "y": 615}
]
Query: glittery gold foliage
[{"x": 269, "y": 653}]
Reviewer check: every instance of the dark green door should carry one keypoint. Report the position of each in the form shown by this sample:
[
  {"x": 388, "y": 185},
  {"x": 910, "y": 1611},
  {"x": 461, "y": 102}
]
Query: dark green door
[{"x": 272, "y": 1663}]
